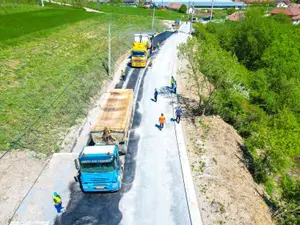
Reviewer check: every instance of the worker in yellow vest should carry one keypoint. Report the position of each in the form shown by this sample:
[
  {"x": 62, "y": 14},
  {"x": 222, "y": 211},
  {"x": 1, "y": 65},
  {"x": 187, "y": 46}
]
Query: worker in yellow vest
[
  {"x": 157, "y": 45},
  {"x": 123, "y": 76},
  {"x": 57, "y": 202}
]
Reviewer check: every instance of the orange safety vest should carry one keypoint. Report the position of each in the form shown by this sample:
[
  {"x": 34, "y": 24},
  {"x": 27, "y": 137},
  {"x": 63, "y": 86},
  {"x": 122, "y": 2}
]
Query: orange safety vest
[{"x": 162, "y": 119}]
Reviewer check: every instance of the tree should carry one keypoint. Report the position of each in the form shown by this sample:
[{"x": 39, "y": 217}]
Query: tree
[
  {"x": 230, "y": 11},
  {"x": 182, "y": 8},
  {"x": 116, "y": 1}
]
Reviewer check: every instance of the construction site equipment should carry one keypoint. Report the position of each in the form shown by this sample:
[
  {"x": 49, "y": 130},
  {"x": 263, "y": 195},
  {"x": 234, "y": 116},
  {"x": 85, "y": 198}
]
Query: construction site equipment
[
  {"x": 140, "y": 49},
  {"x": 115, "y": 115},
  {"x": 99, "y": 166}
]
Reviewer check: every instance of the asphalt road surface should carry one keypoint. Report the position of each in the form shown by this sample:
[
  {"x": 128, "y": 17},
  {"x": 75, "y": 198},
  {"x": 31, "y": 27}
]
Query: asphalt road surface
[{"x": 153, "y": 188}]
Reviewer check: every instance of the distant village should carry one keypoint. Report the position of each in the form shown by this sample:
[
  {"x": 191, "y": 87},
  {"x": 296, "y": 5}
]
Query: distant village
[{"x": 203, "y": 8}]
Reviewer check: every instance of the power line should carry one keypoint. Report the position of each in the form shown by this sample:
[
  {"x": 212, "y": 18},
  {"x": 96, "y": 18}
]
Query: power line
[{"x": 38, "y": 119}]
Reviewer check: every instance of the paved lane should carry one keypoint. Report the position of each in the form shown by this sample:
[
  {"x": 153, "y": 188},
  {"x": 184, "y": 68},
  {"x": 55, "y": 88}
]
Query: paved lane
[
  {"x": 157, "y": 195},
  {"x": 152, "y": 191}
]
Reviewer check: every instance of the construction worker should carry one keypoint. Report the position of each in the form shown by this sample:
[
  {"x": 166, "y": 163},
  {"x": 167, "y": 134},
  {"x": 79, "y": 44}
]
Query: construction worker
[
  {"x": 172, "y": 82},
  {"x": 175, "y": 87},
  {"x": 155, "y": 94},
  {"x": 57, "y": 202},
  {"x": 123, "y": 75},
  {"x": 162, "y": 120},
  {"x": 178, "y": 113},
  {"x": 150, "y": 63},
  {"x": 107, "y": 136}
]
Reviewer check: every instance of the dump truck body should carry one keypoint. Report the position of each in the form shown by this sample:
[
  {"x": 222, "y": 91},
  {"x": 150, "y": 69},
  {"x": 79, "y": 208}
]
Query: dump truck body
[{"x": 99, "y": 165}]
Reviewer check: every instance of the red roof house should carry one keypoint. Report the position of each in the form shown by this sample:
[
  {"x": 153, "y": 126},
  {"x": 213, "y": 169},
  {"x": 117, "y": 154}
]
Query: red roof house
[
  {"x": 236, "y": 16},
  {"x": 174, "y": 6},
  {"x": 292, "y": 11}
]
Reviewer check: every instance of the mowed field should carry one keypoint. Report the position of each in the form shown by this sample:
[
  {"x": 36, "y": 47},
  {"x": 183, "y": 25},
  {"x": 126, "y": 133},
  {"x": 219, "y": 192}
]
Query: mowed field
[
  {"x": 129, "y": 10},
  {"x": 52, "y": 61}
]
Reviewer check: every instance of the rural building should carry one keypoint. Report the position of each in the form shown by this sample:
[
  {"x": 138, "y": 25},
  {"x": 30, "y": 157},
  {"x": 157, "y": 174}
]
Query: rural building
[
  {"x": 236, "y": 16},
  {"x": 292, "y": 11},
  {"x": 283, "y": 4},
  {"x": 253, "y": 1},
  {"x": 220, "y": 5},
  {"x": 174, "y": 6}
]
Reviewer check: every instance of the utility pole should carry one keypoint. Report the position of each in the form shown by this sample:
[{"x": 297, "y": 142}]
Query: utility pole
[
  {"x": 153, "y": 15},
  {"x": 212, "y": 8},
  {"x": 109, "y": 49},
  {"x": 191, "y": 22},
  {"x": 42, "y": 3}
]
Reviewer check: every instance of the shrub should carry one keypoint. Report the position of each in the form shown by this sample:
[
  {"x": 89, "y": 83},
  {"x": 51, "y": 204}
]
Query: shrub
[{"x": 182, "y": 8}]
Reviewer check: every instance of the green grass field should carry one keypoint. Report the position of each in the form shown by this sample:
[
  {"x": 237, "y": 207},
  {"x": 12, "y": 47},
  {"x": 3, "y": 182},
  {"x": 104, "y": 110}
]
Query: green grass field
[
  {"x": 52, "y": 61},
  {"x": 127, "y": 10},
  {"x": 124, "y": 9}
]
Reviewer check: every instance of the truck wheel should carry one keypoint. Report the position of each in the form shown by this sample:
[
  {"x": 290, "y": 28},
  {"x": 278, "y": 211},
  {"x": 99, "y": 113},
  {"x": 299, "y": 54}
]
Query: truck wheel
[{"x": 123, "y": 149}]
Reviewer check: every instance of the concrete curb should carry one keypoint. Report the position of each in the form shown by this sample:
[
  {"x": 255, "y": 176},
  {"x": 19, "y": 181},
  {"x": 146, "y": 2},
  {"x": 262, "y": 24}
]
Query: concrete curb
[{"x": 195, "y": 216}]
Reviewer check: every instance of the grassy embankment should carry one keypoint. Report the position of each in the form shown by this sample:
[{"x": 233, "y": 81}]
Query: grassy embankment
[
  {"x": 52, "y": 61},
  {"x": 254, "y": 67}
]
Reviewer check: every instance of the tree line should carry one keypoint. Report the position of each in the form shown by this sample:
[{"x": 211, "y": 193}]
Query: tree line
[{"x": 248, "y": 72}]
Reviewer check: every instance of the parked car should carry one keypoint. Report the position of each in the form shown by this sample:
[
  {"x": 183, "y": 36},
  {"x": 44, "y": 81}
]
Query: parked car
[{"x": 194, "y": 19}]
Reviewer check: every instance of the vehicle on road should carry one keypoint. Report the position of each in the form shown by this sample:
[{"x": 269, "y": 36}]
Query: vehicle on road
[
  {"x": 99, "y": 164},
  {"x": 176, "y": 25},
  {"x": 140, "y": 49},
  {"x": 194, "y": 19}
]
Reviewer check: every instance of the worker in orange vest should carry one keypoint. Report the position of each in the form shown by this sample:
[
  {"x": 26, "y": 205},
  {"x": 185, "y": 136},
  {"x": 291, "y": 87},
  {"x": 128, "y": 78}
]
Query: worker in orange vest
[{"x": 162, "y": 120}]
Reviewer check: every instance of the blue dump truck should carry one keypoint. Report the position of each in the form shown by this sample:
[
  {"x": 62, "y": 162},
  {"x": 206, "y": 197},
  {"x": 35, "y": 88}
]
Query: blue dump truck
[{"x": 99, "y": 164}]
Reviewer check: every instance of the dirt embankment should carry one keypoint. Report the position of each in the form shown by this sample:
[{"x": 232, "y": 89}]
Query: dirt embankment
[{"x": 225, "y": 189}]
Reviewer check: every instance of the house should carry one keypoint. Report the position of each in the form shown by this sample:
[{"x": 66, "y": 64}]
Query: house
[
  {"x": 292, "y": 11},
  {"x": 190, "y": 10},
  {"x": 219, "y": 5},
  {"x": 283, "y": 3},
  {"x": 236, "y": 16},
  {"x": 174, "y": 6},
  {"x": 253, "y": 1}
]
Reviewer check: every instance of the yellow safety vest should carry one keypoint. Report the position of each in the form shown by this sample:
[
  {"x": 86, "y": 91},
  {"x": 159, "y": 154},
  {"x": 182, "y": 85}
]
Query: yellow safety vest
[{"x": 56, "y": 200}]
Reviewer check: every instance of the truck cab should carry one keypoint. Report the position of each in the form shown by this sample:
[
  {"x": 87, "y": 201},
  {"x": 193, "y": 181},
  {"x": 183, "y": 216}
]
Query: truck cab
[
  {"x": 142, "y": 43},
  {"x": 99, "y": 168},
  {"x": 139, "y": 54}
]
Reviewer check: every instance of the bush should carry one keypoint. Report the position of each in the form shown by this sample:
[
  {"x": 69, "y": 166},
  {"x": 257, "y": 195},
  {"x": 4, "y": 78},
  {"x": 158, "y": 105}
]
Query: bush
[
  {"x": 230, "y": 11},
  {"x": 254, "y": 68},
  {"x": 182, "y": 8}
]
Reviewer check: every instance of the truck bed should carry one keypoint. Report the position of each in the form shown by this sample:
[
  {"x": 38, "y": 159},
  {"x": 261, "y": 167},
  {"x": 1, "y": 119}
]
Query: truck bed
[{"x": 115, "y": 113}]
